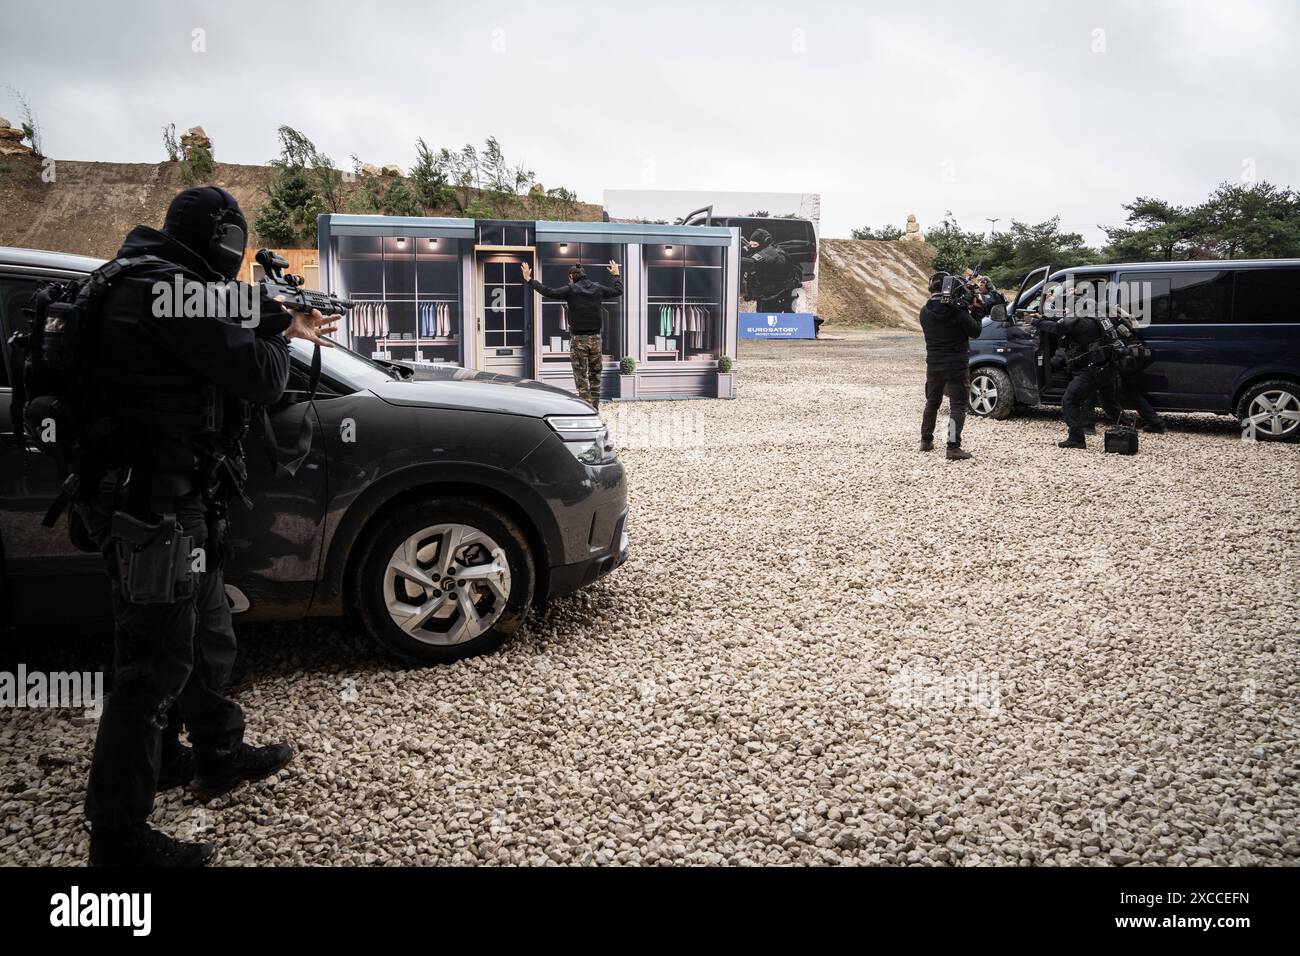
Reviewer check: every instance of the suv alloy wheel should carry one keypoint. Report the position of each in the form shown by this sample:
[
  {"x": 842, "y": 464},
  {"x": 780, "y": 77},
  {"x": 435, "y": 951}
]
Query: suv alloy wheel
[{"x": 444, "y": 580}]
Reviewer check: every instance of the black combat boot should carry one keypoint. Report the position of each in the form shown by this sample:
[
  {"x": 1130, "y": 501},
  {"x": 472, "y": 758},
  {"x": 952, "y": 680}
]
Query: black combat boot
[
  {"x": 927, "y": 444},
  {"x": 217, "y": 774},
  {"x": 957, "y": 453},
  {"x": 1071, "y": 443},
  {"x": 144, "y": 846},
  {"x": 177, "y": 767}
]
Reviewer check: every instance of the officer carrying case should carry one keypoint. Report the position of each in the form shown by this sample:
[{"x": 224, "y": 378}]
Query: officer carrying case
[{"x": 1121, "y": 440}]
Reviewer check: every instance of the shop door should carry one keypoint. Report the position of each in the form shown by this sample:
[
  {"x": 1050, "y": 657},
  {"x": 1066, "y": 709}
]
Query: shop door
[{"x": 505, "y": 314}]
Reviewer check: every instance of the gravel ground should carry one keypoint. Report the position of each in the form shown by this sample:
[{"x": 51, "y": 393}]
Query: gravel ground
[{"x": 826, "y": 648}]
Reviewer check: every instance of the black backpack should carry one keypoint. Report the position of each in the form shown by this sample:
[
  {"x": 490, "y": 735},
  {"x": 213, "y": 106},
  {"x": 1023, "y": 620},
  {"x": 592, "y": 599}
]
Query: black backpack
[{"x": 52, "y": 401}]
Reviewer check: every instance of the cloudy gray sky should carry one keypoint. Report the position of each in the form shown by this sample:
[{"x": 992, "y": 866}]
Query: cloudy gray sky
[{"x": 997, "y": 108}]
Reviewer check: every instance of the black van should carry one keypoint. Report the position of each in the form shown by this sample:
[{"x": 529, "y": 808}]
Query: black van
[
  {"x": 1225, "y": 337},
  {"x": 796, "y": 237}
]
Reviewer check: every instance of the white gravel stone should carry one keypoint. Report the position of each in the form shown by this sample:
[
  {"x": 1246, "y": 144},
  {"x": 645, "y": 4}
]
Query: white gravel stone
[{"x": 826, "y": 649}]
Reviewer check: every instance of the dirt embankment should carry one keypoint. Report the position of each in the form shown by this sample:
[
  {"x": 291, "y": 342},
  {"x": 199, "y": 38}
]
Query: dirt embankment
[
  {"x": 864, "y": 283},
  {"x": 87, "y": 208}
]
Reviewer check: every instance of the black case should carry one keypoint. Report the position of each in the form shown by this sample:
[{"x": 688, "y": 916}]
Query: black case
[{"x": 1121, "y": 440}]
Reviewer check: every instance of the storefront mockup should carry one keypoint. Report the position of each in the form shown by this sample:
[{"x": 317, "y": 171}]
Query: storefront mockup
[{"x": 451, "y": 291}]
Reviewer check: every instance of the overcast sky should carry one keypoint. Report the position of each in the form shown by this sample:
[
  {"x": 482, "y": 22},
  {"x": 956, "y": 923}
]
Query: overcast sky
[{"x": 997, "y": 108}]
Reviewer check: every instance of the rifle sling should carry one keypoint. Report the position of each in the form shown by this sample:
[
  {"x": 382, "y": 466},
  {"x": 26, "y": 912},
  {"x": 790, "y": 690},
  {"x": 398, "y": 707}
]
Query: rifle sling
[{"x": 306, "y": 429}]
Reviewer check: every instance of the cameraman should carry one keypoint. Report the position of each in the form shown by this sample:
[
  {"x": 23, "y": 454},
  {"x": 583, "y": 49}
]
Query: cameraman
[
  {"x": 1090, "y": 359},
  {"x": 948, "y": 326},
  {"x": 165, "y": 451}
]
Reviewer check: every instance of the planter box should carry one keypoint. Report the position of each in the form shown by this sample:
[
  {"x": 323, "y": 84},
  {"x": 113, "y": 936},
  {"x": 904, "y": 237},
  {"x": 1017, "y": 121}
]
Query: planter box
[
  {"x": 627, "y": 386},
  {"x": 726, "y": 385}
]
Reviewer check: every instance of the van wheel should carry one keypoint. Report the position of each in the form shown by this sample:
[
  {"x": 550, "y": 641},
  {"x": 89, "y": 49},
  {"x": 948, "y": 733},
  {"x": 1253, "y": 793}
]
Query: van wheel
[
  {"x": 444, "y": 581},
  {"x": 991, "y": 394},
  {"x": 1271, "y": 410}
]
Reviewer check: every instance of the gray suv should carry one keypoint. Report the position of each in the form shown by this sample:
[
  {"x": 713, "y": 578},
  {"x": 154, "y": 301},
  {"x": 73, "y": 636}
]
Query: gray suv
[{"x": 438, "y": 504}]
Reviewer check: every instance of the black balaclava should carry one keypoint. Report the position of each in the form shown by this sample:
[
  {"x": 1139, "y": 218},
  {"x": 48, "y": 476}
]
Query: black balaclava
[
  {"x": 192, "y": 220},
  {"x": 762, "y": 237}
]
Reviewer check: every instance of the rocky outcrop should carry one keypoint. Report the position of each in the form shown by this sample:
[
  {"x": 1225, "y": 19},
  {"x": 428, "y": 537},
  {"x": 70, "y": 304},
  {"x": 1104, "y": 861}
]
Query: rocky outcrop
[
  {"x": 913, "y": 233},
  {"x": 195, "y": 138},
  {"x": 11, "y": 140}
]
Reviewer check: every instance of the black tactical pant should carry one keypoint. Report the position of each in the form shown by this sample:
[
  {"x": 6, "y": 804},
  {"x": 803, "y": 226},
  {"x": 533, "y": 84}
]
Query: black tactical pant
[
  {"x": 1132, "y": 396},
  {"x": 955, "y": 384},
  {"x": 171, "y": 664},
  {"x": 780, "y": 302},
  {"x": 1082, "y": 393}
]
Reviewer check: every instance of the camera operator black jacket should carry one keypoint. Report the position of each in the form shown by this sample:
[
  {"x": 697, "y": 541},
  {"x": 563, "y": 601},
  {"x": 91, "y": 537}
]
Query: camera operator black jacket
[
  {"x": 948, "y": 330},
  {"x": 584, "y": 297},
  {"x": 174, "y": 389}
]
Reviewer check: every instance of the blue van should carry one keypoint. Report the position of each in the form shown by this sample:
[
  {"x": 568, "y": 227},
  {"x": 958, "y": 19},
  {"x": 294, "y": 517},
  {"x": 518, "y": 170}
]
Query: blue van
[{"x": 1225, "y": 336}]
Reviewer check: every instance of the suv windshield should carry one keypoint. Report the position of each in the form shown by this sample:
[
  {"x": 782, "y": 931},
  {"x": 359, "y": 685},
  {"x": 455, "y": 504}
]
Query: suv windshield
[{"x": 345, "y": 366}]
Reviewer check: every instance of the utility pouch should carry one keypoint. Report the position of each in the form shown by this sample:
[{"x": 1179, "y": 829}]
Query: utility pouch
[
  {"x": 152, "y": 559},
  {"x": 63, "y": 321}
]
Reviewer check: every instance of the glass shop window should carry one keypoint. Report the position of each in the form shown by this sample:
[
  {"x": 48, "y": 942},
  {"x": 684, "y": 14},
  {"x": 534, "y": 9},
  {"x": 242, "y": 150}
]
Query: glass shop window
[
  {"x": 554, "y": 259},
  {"x": 505, "y": 234},
  {"x": 684, "y": 297},
  {"x": 407, "y": 294},
  {"x": 505, "y": 322}
]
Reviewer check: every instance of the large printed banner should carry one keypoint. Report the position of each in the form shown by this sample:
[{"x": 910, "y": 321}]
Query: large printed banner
[
  {"x": 777, "y": 325},
  {"x": 778, "y": 238}
]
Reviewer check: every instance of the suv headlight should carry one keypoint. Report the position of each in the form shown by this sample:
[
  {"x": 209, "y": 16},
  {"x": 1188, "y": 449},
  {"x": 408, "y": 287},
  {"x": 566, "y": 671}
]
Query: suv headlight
[{"x": 586, "y": 436}]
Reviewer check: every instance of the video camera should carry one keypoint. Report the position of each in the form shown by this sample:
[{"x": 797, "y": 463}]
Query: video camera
[{"x": 957, "y": 291}]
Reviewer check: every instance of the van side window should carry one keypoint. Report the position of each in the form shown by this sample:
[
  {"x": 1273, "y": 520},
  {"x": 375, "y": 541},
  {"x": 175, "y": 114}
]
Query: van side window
[
  {"x": 1187, "y": 298},
  {"x": 1200, "y": 298},
  {"x": 1146, "y": 293},
  {"x": 1266, "y": 296}
]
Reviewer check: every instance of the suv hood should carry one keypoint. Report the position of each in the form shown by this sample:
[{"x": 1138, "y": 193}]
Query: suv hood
[{"x": 471, "y": 390}]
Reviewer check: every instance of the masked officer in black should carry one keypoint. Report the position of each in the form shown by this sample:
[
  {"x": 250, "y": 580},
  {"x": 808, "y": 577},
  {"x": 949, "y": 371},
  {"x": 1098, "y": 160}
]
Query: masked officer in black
[
  {"x": 1138, "y": 357},
  {"x": 1090, "y": 357},
  {"x": 948, "y": 328},
  {"x": 769, "y": 273},
  {"x": 173, "y": 392}
]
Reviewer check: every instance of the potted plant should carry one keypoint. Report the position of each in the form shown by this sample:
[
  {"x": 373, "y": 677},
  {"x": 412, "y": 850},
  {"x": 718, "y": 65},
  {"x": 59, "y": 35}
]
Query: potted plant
[
  {"x": 726, "y": 378},
  {"x": 627, "y": 377}
]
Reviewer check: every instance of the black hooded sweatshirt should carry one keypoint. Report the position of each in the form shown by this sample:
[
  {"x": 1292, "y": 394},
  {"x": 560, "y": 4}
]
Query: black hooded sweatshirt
[
  {"x": 243, "y": 364},
  {"x": 948, "y": 330},
  {"x": 584, "y": 297}
]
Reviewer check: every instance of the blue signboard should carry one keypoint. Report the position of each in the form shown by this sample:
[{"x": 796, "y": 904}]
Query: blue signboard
[{"x": 777, "y": 325}]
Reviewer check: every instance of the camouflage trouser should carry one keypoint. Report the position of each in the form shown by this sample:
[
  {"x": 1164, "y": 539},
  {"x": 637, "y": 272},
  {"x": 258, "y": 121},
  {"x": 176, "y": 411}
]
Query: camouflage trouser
[{"x": 584, "y": 353}]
